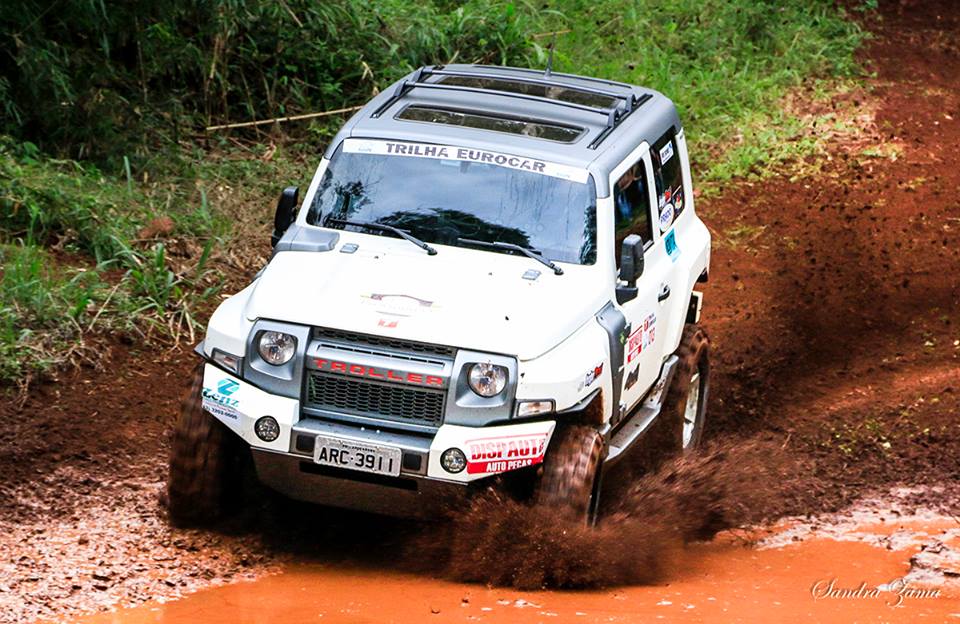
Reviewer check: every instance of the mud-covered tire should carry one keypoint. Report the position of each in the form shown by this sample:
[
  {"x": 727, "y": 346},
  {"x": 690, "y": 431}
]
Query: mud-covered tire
[
  {"x": 694, "y": 358},
  {"x": 203, "y": 475},
  {"x": 569, "y": 478}
]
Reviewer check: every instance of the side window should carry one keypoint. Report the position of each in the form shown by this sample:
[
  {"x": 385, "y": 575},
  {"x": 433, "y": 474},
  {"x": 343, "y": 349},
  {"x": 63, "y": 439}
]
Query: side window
[
  {"x": 668, "y": 180},
  {"x": 631, "y": 205}
]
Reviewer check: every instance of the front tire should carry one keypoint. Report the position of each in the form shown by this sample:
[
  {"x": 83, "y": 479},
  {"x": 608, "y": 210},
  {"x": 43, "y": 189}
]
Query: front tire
[
  {"x": 203, "y": 470},
  {"x": 686, "y": 404},
  {"x": 568, "y": 483}
]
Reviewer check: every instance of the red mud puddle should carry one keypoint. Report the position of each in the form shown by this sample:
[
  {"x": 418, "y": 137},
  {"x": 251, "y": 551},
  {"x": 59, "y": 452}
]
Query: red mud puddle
[{"x": 721, "y": 582}]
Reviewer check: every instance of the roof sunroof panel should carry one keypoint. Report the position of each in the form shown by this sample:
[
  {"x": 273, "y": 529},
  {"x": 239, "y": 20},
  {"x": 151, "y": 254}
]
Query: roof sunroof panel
[
  {"x": 527, "y": 127},
  {"x": 559, "y": 93}
]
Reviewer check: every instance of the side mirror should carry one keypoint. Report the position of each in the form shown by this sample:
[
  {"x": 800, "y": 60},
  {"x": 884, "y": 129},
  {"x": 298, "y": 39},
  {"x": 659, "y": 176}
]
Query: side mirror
[
  {"x": 631, "y": 267},
  {"x": 286, "y": 213}
]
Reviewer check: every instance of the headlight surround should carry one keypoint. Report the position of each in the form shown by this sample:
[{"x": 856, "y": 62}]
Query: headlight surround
[
  {"x": 276, "y": 348},
  {"x": 487, "y": 380}
]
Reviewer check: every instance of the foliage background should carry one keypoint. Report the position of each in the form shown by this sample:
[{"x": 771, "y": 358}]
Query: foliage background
[
  {"x": 120, "y": 216},
  {"x": 92, "y": 79}
]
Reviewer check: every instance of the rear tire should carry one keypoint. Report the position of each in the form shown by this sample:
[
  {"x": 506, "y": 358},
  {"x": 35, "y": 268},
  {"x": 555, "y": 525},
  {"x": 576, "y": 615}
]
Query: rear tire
[
  {"x": 204, "y": 463},
  {"x": 569, "y": 479},
  {"x": 685, "y": 406}
]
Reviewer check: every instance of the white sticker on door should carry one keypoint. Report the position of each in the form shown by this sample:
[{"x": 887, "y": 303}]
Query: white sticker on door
[
  {"x": 666, "y": 153},
  {"x": 666, "y": 218}
]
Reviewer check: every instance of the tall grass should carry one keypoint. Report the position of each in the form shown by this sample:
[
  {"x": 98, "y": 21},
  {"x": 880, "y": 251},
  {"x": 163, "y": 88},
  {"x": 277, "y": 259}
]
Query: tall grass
[
  {"x": 101, "y": 275},
  {"x": 42, "y": 312},
  {"x": 725, "y": 63},
  {"x": 115, "y": 80},
  {"x": 102, "y": 105}
]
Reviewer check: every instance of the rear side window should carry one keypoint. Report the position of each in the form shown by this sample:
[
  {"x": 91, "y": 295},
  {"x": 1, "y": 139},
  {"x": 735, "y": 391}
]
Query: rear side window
[
  {"x": 668, "y": 180},
  {"x": 631, "y": 206}
]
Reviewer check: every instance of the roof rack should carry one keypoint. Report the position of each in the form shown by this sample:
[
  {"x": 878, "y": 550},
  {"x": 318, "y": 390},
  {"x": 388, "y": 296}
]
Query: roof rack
[
  {"x": 627, "y": 102},
  {"x": 543, "y": 81},
  {"x": 527, "y": 70},
  {"x": 615, "y": 118}
]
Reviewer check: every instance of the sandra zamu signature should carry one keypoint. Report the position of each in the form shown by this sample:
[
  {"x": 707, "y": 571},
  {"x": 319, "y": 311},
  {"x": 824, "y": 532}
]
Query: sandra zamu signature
[{"x": 894, "y": 592}]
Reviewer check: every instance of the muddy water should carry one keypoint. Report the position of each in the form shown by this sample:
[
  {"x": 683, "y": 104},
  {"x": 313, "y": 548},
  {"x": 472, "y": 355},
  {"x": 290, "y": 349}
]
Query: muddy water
[
  {"x": 722, "y": 581},
  {"x": 776, "y": 573}
]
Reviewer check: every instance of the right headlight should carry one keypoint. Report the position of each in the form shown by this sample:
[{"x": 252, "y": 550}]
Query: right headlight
[
  {"x": 487, "y": 380},
  {"x": 276, "y": 348}
]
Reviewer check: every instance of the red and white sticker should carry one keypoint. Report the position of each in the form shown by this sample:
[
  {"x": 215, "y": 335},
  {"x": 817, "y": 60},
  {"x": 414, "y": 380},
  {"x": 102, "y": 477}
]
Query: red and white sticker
[
  {"x": 642, "y": 337},
  {"x": 592, "y": 375},
  {"x": 500, "y": 454}
]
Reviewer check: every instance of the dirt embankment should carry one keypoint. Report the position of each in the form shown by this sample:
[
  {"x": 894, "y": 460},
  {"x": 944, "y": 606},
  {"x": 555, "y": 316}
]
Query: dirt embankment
[
  {"x": 836, "y": 316},
  {"x": 833, "y": 311}
]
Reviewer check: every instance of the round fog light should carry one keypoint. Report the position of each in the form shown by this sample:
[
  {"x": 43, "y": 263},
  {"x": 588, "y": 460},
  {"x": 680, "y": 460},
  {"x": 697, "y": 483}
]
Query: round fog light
[
  {"x": 267, "y": 428},
  {"x": 453, "y": 460}
]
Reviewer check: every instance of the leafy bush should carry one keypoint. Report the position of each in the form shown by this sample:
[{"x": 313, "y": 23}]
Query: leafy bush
[
  {"x": 725, "y": 63},
  {"x": 41, "y": 311},
  {"x": 119, "y": 91},
  {"x": 109, "y": 80},
  {"x": 47, "y": 303},
  {"x": 64, "y": 202},
  {"x": 103, "y": 80}
]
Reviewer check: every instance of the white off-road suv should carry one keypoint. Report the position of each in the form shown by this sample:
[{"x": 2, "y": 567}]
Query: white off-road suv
[{"x": 491, "y": 275}]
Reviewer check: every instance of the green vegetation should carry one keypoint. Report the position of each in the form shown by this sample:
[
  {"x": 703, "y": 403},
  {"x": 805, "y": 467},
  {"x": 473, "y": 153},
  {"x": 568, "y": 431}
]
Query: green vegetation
[
  {"x": 726, "y": 64},
  {"x": 117, "y": 211},
  {"x": 40, "y": 313},
  {"x": 107, "y": 80},
  {"x": 106, "y": 271},
  {"x": 741, "y": 236}
]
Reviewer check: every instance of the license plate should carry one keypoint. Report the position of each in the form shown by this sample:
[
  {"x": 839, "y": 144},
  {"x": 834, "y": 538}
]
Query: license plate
[{"x": 356, "y": 455}]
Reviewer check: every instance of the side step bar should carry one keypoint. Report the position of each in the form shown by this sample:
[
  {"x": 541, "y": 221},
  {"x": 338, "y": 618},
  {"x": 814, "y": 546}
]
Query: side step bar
[{"x": 636, "y": 424}]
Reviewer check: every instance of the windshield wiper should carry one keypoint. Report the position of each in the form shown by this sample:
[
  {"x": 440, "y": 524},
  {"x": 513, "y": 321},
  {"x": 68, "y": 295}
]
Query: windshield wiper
[
  {"x": 383, "y": 227},
  {"x": 511, "y": 247}
]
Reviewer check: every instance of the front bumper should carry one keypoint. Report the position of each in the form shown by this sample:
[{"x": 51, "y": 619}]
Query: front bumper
[
  {"x": 406, "y": 496},
  {"x": 283, "y": 463}
]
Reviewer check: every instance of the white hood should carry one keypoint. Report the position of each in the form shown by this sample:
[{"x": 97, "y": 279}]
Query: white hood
[{"x": 460, "y": 297}]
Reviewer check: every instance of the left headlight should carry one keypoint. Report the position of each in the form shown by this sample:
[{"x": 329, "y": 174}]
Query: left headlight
[
  {"x": 276, "y": 348},
  {"x": 488, "y": 380}
]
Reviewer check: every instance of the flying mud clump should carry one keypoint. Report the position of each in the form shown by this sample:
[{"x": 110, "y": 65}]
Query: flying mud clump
[{"x": 638, "y": 539}]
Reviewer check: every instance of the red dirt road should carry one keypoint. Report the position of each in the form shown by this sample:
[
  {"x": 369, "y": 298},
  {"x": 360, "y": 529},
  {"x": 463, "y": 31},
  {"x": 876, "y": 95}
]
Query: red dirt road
[{"x": 833, "y": 309}]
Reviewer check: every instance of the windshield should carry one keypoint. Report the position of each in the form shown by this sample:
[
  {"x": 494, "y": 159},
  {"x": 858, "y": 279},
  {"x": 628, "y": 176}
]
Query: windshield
[{"x": 444, "y": 194}]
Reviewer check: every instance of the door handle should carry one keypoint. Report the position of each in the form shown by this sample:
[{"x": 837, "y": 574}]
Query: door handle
[{"x": 664, "y": 293}]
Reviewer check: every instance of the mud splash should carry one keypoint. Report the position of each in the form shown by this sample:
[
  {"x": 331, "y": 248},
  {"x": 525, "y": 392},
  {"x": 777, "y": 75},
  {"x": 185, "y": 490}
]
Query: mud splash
[
  {"x": 717, "y": 581},
  {"x": 638, "y": 541}
]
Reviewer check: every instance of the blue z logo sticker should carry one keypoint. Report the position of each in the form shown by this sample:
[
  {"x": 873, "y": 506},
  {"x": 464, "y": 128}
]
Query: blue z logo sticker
[
  {"x": 670, "y": 242},
  {"x": 227, "y": 386}
]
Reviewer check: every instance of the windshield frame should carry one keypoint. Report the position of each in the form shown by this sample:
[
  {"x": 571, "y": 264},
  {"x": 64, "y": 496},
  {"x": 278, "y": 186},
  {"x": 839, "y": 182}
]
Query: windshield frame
[{"x": 315, "y": 214}]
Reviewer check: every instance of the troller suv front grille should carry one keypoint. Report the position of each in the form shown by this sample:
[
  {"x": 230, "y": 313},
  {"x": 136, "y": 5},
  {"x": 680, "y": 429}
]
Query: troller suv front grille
[
  {"x": 374, "y": 399},
  {"x": 376, "y": 380}
]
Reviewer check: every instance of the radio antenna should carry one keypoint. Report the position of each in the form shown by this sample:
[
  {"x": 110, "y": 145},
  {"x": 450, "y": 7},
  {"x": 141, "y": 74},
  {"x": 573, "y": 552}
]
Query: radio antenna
[{"x": 553, "y": 45}]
